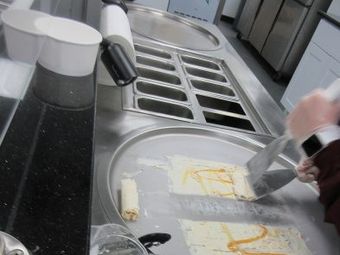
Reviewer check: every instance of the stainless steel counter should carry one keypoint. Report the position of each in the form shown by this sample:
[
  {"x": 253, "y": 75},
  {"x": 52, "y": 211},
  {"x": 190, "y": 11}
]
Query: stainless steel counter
[
  {"x": 115, "y": 126},
  {"x": 172, "y": 49},
  {"x": 119, "y": 133},
  {"x": 122, "y": 122}
]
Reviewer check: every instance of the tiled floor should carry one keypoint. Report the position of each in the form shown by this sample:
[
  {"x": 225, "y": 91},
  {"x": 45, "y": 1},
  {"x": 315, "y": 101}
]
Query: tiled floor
[{"x": 261, "y": 69}]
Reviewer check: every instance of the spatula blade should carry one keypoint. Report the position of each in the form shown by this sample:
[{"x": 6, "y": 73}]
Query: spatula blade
[
  {"x": 259, "y": 163},
  {"x": 271, "y": 181}
]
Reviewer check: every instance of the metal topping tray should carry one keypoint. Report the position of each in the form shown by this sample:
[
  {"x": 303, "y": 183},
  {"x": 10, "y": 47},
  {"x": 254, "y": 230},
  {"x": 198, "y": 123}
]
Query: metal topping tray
[
  {"x": 294, "y": 205},
  {"x": 189, "y": 87}
]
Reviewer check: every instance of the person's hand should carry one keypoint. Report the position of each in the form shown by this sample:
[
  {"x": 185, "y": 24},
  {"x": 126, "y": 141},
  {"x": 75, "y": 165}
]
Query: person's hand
[
  {"x": 307, "y": 171},
  {"x": 313, "y": 112}
]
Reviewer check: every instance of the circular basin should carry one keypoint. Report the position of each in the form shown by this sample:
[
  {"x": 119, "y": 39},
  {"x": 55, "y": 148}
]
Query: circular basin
[
  {"x": 171, "y": 29},
  {"x": 146, "y": 158}
]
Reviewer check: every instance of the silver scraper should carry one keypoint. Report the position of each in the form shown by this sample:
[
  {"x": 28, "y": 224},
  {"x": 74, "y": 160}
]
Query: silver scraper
[{"x": 264, "y": 182}]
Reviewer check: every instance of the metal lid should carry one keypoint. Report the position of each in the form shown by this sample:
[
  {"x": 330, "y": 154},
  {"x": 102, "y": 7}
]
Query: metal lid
[
  {"x": 11, "y": 246},
  {"x": 170, "y": 29}
]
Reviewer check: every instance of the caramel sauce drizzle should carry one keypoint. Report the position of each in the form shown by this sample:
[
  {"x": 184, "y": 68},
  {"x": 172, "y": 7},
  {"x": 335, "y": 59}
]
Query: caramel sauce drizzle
[
  {"x": 210, "y": 175},
  {"x": 215, "y": 175},
  {"x": 234, "y": 245}
]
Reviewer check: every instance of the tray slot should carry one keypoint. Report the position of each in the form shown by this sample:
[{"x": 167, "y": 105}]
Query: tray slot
[
  {"x": 229, "y": 121},
  {"x": 197, "y": 82},
  {"x": 161, "y": 91},
  {"x": 159, "y": 76},
  {"x": 219, "y": 104},
  {"x": 150, "y": 51},
  {"x": 212, "y": 87},
  {"x": 200, "y": 62},
  {"x": 205, "y": 74},
  {"x": 155, "y": 63},
  {"x": 164, "y": 108}
]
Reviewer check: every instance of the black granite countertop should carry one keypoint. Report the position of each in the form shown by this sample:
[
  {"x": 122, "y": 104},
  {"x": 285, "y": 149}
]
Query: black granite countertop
[
  {"x": 46, "y": 170},
  {"x": 6, "y": 107},
  {"x": 332, "y": 18}
]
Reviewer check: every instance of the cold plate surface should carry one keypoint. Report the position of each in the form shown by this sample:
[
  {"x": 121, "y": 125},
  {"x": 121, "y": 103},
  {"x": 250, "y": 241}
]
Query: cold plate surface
[{"x": 145, "y": 158}]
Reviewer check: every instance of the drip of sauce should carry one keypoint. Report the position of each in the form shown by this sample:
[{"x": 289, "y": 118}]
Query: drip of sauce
[
  {"x": 234, "y": 245},
  {"x": 210, "y": 175},
  {"x": 223, "y": 194}
]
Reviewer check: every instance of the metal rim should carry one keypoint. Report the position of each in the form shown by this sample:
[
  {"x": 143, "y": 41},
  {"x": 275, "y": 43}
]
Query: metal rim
[
  {"x": 187, "y": 22},
  {"x": 12, "y": 245}
]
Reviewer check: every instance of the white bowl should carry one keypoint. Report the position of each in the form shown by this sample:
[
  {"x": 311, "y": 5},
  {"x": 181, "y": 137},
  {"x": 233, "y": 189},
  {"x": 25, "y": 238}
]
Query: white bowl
[
  {"x": 71, "y": 47},
  {"x": 23, "y": 40}
]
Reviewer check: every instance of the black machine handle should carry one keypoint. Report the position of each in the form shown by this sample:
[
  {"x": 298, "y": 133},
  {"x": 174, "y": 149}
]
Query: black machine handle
[
  {"x": 117, "y": 62},
  {"x": 154, "y": 239},
  {"x": 120, "y": 3}
]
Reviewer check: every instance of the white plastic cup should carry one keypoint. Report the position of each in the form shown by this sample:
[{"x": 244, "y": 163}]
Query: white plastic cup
[
  {"x": 70, "y": 48},
  {"x": 23, "y": 40}
]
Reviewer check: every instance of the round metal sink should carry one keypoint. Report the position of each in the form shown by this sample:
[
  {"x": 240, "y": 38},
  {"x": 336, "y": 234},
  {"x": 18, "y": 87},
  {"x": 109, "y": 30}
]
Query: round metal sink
[
  {"x": 146, "y": 157},
  {"x": 170, "y": 29}
]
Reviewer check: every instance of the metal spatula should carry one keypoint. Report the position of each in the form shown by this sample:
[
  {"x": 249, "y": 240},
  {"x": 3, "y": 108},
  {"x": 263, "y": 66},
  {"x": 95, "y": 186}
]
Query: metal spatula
[
  {"x": 259, "y": 164},
  {"x": 264, "y": 182},
  {"x": 271, "y": 181}
]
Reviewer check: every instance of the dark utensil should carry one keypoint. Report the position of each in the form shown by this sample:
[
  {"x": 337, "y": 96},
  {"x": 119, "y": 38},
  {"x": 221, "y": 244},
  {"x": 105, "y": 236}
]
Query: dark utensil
[
  {"x": 154, "y": 239},
  {"x": 118, "y": 63}
]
